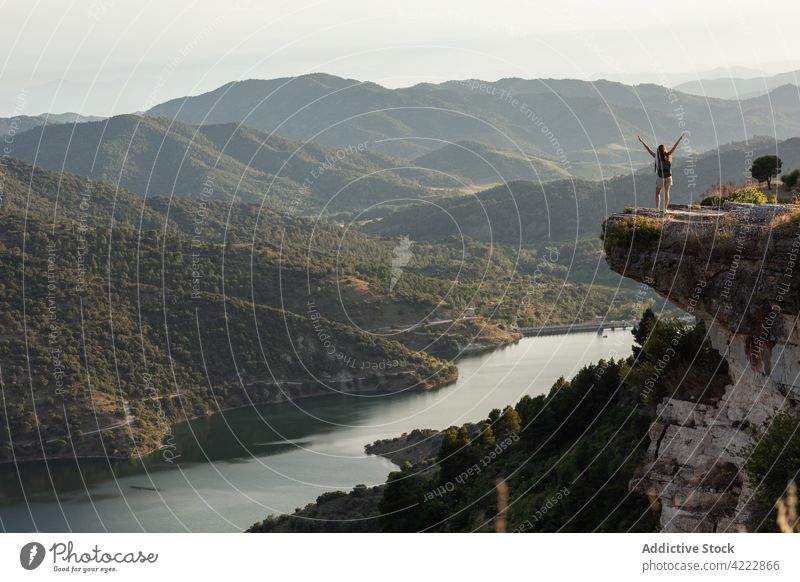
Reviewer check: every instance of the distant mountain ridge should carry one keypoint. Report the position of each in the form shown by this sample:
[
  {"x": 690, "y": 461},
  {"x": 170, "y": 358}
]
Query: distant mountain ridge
[
  {"x": 564, "y": 119},
  {"x": 739, "y": 87},
  {"x": 10, "y": 126},
  {"x": 158, "y": 157}
]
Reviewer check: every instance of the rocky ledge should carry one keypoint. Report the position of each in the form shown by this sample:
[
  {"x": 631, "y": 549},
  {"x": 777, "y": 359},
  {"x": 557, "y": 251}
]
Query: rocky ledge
[{"x": 737, "y": 268}]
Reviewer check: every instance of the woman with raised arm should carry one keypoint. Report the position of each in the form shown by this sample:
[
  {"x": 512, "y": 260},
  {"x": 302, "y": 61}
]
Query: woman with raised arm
[{"x": 663, "y": 167}]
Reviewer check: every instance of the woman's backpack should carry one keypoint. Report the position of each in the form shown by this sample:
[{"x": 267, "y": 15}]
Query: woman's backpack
[{"x": 662, "y": 166}]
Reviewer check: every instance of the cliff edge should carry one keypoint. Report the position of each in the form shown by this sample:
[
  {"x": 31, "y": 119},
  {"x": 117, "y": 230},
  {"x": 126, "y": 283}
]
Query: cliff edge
[{"x": 737, "y": 269}]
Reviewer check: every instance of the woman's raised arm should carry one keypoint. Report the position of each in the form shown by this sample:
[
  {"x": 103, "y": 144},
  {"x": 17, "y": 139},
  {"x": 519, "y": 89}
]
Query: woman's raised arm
[
  {"x": 651, "y": 152},
  {"x": 676, "y": 144}
]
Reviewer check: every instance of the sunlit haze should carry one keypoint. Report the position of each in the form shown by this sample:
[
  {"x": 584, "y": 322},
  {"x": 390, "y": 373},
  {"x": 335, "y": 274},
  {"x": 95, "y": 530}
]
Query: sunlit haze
[{"x": 105, "y": 57}]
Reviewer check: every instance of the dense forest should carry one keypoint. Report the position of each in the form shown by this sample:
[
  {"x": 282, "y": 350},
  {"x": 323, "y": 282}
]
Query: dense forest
[{"x": 126, "y": 314}]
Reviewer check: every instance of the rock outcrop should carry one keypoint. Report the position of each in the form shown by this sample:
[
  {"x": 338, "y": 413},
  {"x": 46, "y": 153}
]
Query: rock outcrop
[{"x": 738, "y": 269}]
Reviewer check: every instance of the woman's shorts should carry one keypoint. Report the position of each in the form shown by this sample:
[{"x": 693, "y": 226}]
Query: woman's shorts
[{"x": 663, "y": 182}]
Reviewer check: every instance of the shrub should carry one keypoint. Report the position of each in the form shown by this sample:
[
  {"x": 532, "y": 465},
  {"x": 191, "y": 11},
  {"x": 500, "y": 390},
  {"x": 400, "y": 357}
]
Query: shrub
[
  {"x": 748, "y": 195},
  {"x": 773, "y": 460},
  {"x": 713, "y": 200},
  {"x": 791, "y": 179}
]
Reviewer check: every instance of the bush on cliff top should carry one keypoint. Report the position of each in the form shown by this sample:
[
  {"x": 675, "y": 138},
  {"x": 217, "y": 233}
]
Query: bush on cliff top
[
  {"x": 714, "y": 200},
  {"x": 748, "y": 195}
]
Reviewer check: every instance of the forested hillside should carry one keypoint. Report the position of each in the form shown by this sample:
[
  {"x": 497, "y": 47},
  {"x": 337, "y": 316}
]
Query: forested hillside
[{"x": 125, "y": 315}]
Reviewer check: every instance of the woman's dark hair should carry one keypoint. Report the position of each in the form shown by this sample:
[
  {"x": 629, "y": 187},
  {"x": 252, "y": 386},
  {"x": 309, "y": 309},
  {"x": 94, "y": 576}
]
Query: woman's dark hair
[{"x": 663, "y": 153}]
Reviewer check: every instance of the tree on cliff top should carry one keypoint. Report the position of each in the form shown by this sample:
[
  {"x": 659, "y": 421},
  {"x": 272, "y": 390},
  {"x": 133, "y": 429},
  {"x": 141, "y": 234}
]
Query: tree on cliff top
[{"x": 765, "y": 168}]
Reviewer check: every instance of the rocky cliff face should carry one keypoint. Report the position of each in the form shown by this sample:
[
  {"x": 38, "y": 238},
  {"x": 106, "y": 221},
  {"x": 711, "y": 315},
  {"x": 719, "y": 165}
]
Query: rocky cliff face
[{"x": 738, "y": 269}]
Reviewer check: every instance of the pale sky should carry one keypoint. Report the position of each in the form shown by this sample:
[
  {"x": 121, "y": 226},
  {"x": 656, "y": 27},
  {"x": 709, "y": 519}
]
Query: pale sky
[{"x": 106, "y": 57}]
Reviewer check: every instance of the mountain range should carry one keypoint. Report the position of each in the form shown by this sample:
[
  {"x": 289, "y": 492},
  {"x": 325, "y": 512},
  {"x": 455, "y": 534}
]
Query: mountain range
[
  {"x": 563, "y": 120},
  {"x": 158, "y": 157},
  {"x": 10, "y": 126},
  {"x": 531, "y": 212},
  {"x": 739, "y": 87}
]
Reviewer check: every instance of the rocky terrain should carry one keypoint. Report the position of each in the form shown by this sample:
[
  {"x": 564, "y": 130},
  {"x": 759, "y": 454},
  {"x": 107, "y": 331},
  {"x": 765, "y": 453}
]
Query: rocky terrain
[{"x": 737, "y": 269}]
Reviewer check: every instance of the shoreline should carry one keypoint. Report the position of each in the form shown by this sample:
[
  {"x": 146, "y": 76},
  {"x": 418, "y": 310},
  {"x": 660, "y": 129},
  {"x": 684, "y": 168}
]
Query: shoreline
[
  {"x": 186, "y": 420},
  {"x": 322, "y": 393},
  {"x": 471, "y": 350}
]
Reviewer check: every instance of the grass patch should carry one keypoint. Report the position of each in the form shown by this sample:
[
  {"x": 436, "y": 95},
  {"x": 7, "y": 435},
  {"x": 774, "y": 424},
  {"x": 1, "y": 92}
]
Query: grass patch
[{"x": 622, "y": 233}]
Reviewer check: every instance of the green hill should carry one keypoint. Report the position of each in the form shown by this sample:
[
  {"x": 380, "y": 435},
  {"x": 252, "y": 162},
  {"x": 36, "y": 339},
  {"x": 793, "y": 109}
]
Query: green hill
[
  {"x": 531, "y": 212},
  {"x": 156, "y": 157},
  {"x": 120, "y": 319},
  {"x": 11, "y": 126},
  {"x": 121, "y": 316},
  {"x": 522, "y": 212},
  {"x": 483, "y": 164}
]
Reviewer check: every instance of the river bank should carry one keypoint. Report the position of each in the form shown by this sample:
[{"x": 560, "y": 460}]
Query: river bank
[{"x": 132, "y": 439}]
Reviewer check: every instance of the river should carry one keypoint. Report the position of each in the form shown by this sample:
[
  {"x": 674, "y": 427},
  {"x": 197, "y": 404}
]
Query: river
[{"x": 238, "y": 467}]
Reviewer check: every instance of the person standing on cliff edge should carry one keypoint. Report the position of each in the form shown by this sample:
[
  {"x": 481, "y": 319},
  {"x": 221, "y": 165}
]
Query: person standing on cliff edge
[{"x": 663, "y": 168}]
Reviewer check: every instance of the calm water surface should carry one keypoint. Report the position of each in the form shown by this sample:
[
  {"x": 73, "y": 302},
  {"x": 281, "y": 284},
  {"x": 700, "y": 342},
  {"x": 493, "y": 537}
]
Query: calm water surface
[{"x": 238, "y": 467}]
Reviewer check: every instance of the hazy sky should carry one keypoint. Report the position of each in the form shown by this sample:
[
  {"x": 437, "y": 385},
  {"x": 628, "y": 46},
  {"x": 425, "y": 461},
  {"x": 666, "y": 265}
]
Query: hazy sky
[{"x": 113, "y": 56}]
